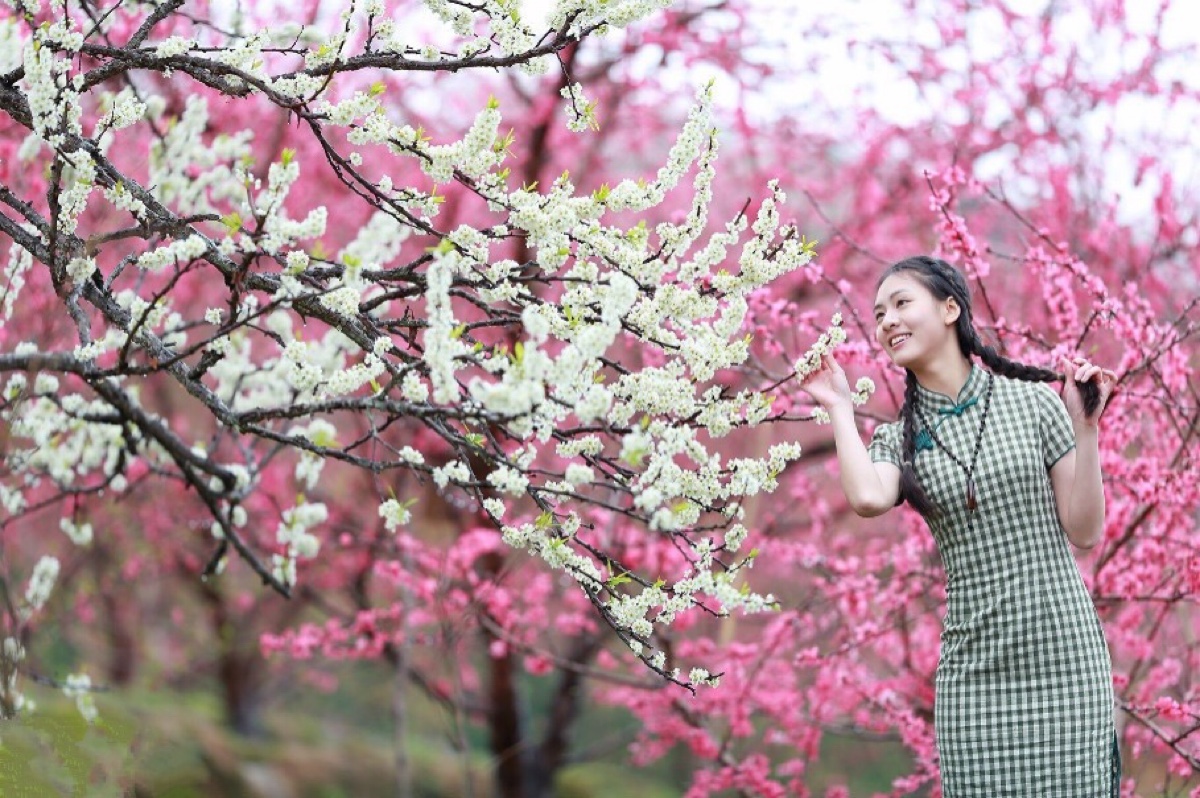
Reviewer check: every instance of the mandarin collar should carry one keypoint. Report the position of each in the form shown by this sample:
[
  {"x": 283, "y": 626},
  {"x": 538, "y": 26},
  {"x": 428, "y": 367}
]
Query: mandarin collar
[{"x": 973, "y": 388}]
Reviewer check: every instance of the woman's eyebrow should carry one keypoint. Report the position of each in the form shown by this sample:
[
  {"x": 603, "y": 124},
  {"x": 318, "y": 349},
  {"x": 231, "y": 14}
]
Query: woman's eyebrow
[{"x": 897, "y": 291}]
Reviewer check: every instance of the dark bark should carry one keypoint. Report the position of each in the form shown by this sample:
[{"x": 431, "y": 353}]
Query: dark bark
[
  {"x": 117, "y": 608},
  {"x": 504, "y": 715},
  {"x": 239, "y": 668},
  {"x": 554, "y": 752}
]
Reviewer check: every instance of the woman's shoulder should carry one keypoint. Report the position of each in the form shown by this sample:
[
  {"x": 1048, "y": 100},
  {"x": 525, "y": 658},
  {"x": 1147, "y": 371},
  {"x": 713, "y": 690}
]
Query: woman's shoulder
[{"x": 888, "y": 431}]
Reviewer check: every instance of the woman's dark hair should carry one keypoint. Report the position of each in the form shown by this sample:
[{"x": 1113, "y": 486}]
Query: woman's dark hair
[{"x": 945, "y": 281}]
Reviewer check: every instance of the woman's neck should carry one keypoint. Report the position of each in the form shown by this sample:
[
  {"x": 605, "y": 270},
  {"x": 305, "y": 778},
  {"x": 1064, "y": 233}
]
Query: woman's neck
[{"x": 946, "y": 376}]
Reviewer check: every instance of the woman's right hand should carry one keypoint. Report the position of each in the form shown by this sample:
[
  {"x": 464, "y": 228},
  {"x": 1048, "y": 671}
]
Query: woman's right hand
[{"x": 828, "y": 385}]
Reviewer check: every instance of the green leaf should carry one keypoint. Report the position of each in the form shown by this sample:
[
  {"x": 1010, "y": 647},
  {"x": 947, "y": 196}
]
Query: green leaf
[
  {"x": 619, "y": 579},
  {"x": 232, "y": 221},
  {"x": 377, "y": 88},
  {"x": 544, "y": 521},
  {"x": 287, "y": 156}
]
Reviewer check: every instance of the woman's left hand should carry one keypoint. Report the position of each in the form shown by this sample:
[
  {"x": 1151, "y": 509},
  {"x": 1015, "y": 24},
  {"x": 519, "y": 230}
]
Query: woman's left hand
[{"x": 1077, "y": 370}]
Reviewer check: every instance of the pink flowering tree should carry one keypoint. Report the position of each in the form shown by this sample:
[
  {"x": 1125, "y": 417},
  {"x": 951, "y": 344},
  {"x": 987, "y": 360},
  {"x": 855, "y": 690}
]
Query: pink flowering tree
[{"x": 1022, "y": 159}]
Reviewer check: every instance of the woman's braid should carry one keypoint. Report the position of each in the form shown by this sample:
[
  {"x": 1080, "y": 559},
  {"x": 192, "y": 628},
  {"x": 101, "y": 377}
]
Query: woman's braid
[
  {"x": 1089, "y": 391},
  {"x": 910, "y": 487}
]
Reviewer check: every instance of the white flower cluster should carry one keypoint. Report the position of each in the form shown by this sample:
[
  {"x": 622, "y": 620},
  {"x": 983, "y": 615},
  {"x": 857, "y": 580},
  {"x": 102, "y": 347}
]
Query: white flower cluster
[
  {"x": 245, "y": 54},
  {"x": 581, "y": 115},
  {"x": 179, "y": 250},
  {"x": 41, "y": 584},
  {"x": 394, "y": 514},
  {"x": 80, "y": 534},
  {"x": 586, "y": 13},
  {"x": 114, "y": 338},
  {"x": 12, "y": 501},
  {"x": 543, "y": 540},
  {"x": 811, "y": 360},
  {"x": 633, "y": 612},
  {"x": 20, "y": 260},
  {"x": 124, "y": 200},
  {"x": 292, "y": 533},
  {"x": 174, "y": 45},
  {"x": 347, "y": 381},
  {"x": 121, "y": 110},
  {"x": 376, "y": 244},
  {"x": 192, "y": 172},
  {"x": 53, "y": 99},
  {"x": 310, "y": 464},
  {"x": 60, "y": 444},
  {"x": 80, "y": 180},
  {"x": 12, "y": 43},
  {"x": 862, "y": 392},
  {"x": 455, "y": 471},
  {"x": 11, "y": 655},
  {"x": 505, "y": 27},
  {"x": 79, "y": 687},
  {"x": 442, "y": 344},
  {"x": 280, "y": 231}
]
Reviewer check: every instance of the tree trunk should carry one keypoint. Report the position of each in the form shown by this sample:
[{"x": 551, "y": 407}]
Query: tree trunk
[
  {"x": 554, "y": 752},
  {"x": 238, "y": 667},
  {"x": 504, "y": 715},
  {"x": 116, "y": 605}
]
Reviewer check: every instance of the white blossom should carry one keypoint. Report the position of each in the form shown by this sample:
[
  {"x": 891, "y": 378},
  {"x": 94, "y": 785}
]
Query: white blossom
[
  {"x": 41, "y": 583},
  {"x": 394, "y": 514},
  {"x": 79, "y": 687},
  {"x": 80, "y": 534}
]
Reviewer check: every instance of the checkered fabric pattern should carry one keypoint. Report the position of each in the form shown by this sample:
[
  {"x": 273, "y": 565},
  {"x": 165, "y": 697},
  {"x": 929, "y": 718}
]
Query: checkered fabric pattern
[{"x": 1024, "y": 700}]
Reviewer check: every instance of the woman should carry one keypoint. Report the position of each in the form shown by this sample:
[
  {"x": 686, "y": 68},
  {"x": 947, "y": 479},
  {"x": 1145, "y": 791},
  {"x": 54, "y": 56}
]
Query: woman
[{"x": 1005, "y": 474}]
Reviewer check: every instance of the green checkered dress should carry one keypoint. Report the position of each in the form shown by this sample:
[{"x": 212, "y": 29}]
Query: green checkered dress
[{"x": 1024, "y": 701}]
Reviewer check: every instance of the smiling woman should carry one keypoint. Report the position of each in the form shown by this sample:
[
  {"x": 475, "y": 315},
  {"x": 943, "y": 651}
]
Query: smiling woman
[{"x": 1005, "y": 474}]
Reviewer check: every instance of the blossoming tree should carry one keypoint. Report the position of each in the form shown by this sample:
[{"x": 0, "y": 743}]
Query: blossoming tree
[
  {"x": 151, "y": 258},
  {"x": 411, "y": 374}
]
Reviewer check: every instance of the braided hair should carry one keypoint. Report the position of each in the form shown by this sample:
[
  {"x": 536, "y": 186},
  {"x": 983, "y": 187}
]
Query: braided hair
[{"x": 944, "y": 281}]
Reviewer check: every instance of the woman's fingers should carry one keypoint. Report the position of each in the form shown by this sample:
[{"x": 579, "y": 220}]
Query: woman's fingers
[{"x": 1083, "y": 371}]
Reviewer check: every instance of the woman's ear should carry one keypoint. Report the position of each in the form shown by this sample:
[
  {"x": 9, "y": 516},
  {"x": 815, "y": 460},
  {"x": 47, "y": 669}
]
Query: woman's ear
[{"x": 950, "y": 311}]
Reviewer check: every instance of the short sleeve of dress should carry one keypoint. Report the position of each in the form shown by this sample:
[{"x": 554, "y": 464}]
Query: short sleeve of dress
[
  {"x": 885, "y": 444},
  {"x": 1057, "y": 434}
]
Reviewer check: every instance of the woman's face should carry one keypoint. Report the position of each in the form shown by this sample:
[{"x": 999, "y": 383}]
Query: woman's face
[{"x": 910, "y": 324}]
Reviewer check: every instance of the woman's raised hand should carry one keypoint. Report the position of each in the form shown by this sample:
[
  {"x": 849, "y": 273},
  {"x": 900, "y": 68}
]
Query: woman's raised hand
[
  {"x": 828, "y": 385},
  {"x": 1079, "y": 370}
]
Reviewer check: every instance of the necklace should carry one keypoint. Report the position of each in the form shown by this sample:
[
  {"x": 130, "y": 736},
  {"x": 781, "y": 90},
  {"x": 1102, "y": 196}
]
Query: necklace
[{"x": 957, "y": 410}]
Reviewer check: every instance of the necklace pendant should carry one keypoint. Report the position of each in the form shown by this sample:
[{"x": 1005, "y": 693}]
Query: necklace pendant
[{"x": 972, "y": 502}]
